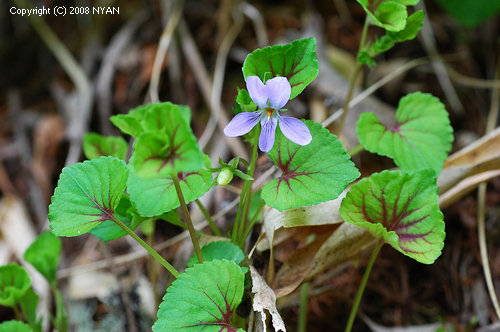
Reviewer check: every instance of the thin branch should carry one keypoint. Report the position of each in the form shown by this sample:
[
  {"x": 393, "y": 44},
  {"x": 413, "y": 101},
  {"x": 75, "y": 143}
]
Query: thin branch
[{"x": 165, "y": 39}]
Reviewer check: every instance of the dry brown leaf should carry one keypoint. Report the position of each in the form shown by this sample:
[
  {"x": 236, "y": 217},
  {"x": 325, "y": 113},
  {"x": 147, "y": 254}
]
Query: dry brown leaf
[
  {"x": 264, "y": 299},
  {"x": 345, "y": 243},
  {"x": 466, "y": 169}
]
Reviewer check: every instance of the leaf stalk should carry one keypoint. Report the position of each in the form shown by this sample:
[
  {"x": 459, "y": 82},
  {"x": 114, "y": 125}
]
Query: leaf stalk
[{"x": 361, "y": 289}]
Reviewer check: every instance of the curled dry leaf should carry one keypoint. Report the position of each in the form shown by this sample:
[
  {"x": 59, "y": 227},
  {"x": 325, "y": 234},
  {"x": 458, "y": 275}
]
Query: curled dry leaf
[
  {"x": 465, "y": 169},
  {"x": 264, "y": 299}
]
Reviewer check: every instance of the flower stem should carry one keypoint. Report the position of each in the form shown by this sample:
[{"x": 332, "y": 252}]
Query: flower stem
[
  {"x": 151, "y": 251},
  {"x": 304, "y": 296},
  {"x": 248, "y": 195},
  {"x": 187, "y": 218},
  {"x": 207, "y": 216},
  {"x": 362, "y": 286},
  {"x": 354, "y": 78}
]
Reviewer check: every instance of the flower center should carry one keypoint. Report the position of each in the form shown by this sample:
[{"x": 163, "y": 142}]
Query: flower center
[{"x": 269, "y": 111}]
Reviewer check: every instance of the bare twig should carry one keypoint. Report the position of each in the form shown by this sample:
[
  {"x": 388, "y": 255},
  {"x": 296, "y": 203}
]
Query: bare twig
[
  {"x": 165, "y": 39},
  {"x": 481, "y": 197},
  {"x": 79, "y": 117},
  {"x": 202, "y": 78},
  {"x": 429, "y": 42},
  {"x": 258, "y": 23},
  {"x": 105, "y": 76},
  {"x": 220, "y": 66},
  {"x": 375, "y": 86}
]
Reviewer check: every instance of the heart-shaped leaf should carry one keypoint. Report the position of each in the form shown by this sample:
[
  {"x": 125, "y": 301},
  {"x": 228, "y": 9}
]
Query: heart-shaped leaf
[
  {"x": 311, "y": 174},
  {"x": 204, "y": 297},
  {"x": 389, "y": 14},
  {"x": 87, "y": 194},
  {"x": 14, "y": 283},
  {"x": 296, "y": 61},
  {"x": 167, "y": 144},
  {"x": 193, "y": 186},
  {"x": 421, "y": 137},
  {"x": 130, "y": 123},
  {"x": 413, "y": 25},
  {"x": 14, "y": 326},
  {"x": 402, "y": 209},
  {"x": 219, "y": 250},
  {"x": 150, "y": 117},
  {"x": 109, "y": 230},
  {"x": 44, "y": 254},
  {"x": 95, "y": 146}
]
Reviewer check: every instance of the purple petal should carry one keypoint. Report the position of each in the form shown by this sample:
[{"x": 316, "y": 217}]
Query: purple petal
[
  {"x": 257, "y": 91},
  {"x": 278, "y": 90},
  {"x": 242, "y": 123},
  {"x": 295, "y": 130},
  {"x": 266, "y": 139}
]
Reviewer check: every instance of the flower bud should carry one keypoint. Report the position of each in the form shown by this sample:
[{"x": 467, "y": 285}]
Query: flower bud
[{"x": 224, "y": 177}]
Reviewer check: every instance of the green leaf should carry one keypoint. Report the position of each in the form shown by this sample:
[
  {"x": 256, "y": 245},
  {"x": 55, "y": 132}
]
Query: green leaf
[
  {"x": 390, "y": 15},
  {"x": 138, "y": 120},
  {"x": 87, "y": 194},
  {"x": 109, "y": 230},
  {"x": 421, "y": 138},
  {"x": 204, "y": 297},
  {"x": 471, "y": 13},
  {"x": 153, "y": 197},
  {"x": 311, "y": 174},
  {"x": 14, "y": 283},
  {"x": 219, "y": 250},
  {"x": 14, "y": 326},
  {"x": 95, "y": 146},
  {"x": 243, "y": 102},
  {"x": 167, "y": 146},
  {"x": 296, "y": 61},
  {"x": 131, "y": 123},
  {"x": 29, "y": 303},
  {"x": 407, "y": 2},
  {"x": 413, "y": 25},
  {"x": 402, "y": 209},
  {"x": 44, "y": 254}
]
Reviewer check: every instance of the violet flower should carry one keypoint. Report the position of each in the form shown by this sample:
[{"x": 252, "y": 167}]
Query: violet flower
[{"x": 270, "y": 99}]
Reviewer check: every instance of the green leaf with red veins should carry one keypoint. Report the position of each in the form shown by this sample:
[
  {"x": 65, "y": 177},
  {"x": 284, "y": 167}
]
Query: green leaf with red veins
[
  {"x": 141, "y": 190},
  {"x": 296, "y": 61},
  {"x": 421, "y": 137},
  {"x": 203, "y": 298},
  {"x": 311, "y": 174},
  {"x": 86, "y": 195},
  {"x": 167, "y": 145},
  {"x": 134, "y": 123},
  {"x": 402, "y": 209},
  {"x": 95, "y": 146}
]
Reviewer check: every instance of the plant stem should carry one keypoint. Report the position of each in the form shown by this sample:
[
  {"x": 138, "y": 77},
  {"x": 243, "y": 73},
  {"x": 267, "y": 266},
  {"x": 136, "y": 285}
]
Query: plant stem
[
  {"x": 17, "y": 313},
  {"x": 354, "y": 151},
  {"x": 207, "y": 216},
  {"x": 354, "y": 78},
  {"x": 150, "y": 250},
  {"x": 254, "y": 219},
  {"x": 153, "y": 266},
  {"x": 187, "y": 218},
  {"x": 362, "y": 286},
  {"x": 248, "y": 195},
  {"x": 304, "y": 296}
]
